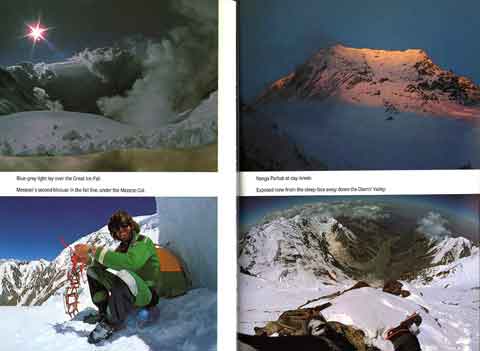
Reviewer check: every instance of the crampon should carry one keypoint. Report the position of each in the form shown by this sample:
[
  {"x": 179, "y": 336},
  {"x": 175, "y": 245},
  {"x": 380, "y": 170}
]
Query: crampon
[{"x": 74, "y": 278}]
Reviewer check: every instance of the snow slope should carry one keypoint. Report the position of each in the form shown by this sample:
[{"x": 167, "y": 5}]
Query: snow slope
[
  {"x": 364, "y": 109},
  {"x": 448, "y": 250},
  {"x": 283, "y": 250},
  {"x": 451, "y": 323},
  {"x": 279, "y": 256},
  {"x": 72, "y": 133},
  {"x": 462, "y": 272},
  {"x": 15, "y": 278},
  {"x": 355, "y": 137},
  {"x": 187, "y": 323},
  {"x": 406, "y": 81}
]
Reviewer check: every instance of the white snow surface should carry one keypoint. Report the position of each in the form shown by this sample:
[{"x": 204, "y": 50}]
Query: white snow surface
[
  {"x": 71, "y": 133},
  {"x": 61, "y": 132},
  {"x": 453, "y": 247},
  {"x": 451, "y": 323},
  {"x": 26, "y": 272},
  {"x": 188, "y": 227},
  {"x": 277, "y": 250},
  {"x": 463, "y": 272},
  {"x": 187, "y": 323}
]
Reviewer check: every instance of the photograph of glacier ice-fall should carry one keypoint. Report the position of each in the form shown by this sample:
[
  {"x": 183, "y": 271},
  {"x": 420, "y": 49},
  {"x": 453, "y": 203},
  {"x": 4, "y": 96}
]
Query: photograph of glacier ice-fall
[{"x": 108, "y": 85}]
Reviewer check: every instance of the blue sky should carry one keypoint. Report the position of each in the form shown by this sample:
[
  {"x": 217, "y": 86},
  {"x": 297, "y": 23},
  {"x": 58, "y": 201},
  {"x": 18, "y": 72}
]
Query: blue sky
[
  {"x": 30, "y": 226},
  {"x": 464, "y": 208},
  {"x": 277, "y": 35}
]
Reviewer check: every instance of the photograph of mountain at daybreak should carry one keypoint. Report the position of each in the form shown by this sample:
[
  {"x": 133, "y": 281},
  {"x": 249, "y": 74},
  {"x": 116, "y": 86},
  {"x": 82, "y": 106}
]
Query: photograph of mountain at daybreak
[
  {"x": 108, "y": 85},
  {"x": 344, "y": 272},
  {"x": 371, "y": 85}
]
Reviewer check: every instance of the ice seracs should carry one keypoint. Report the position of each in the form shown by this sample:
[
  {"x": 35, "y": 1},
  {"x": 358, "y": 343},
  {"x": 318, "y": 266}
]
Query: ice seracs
[{"x": 52, "y": 133}]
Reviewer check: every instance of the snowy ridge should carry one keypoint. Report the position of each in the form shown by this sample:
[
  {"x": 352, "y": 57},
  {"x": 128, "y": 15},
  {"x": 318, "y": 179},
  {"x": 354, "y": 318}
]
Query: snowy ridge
[
  {"x": 16, "y": 96},
  {"x": 70, "y": 133},
  {"x": 374, "y": 312},
  {"x": 296, "y": 250},
  {"x": 450, "y": 249},
  {"x": 33, "y": 283},
  {"x": 462, "y": 272},
  {"x": 396, "y": 80},
  {"x": 16, "y": 276},
  {"x": 450, "y": 315}
]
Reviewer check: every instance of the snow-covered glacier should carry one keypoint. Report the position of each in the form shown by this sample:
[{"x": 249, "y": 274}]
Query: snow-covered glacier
[{"x": 51, "y": 133}]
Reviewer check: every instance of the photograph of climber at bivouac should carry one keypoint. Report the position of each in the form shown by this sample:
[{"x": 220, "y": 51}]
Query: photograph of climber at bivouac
[{"x": 109, "y": 272}]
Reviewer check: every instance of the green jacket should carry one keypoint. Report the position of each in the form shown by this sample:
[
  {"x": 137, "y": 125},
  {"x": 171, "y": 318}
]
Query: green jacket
[{"x": 140, "y": 258}]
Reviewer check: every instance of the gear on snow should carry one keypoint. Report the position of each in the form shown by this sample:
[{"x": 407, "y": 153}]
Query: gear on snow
[
  {"x": 307, "y": 329},
  {"x": 102, "y": 331}
]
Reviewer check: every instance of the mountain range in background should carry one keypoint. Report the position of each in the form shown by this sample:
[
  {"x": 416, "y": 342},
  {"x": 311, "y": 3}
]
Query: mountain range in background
[
  {"x": 345, "y": 103},
  {"x": 319, "y": 249},
  {"x": 31, "y": 283},
  {"x": 374, "y": 263},
  {"x": 399, "y": 81}
]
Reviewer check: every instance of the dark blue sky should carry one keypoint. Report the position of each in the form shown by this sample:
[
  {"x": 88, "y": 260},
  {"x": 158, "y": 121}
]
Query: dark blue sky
[
  {"x": 277, "y": 35},
  {"x": 79, "y": 24},
  {"x": 31, "y": 226},
  {"x": 464, "y": 208}
]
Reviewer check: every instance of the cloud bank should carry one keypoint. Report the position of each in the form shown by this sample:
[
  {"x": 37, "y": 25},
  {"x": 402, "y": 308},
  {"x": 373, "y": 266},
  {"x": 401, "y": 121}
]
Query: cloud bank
[
  {"x": 179, "y": 71},
  {"x": 434, "y": 225}
]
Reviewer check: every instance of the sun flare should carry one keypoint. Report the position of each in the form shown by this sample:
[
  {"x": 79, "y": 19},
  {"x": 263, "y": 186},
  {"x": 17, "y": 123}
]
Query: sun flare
[{"x": 36, "y": 32}]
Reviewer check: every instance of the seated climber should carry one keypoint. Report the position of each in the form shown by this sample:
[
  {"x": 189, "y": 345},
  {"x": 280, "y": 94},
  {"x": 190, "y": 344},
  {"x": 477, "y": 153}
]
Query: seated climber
[{"x": 129, "y": 277}]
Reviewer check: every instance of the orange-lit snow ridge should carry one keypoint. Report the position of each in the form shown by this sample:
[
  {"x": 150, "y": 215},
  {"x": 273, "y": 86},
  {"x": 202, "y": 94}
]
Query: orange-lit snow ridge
[{"x": 399, "y": 81}]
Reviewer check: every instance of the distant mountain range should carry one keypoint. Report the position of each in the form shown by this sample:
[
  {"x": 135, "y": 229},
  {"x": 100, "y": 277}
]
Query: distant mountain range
[
  {"x": 76, "y": 83},
  {"x": 24, "y": 283},
  {"x": 358, "y": 109},
  {"x": 399, "y": 81},
  {"x": 313, "y": 249}
]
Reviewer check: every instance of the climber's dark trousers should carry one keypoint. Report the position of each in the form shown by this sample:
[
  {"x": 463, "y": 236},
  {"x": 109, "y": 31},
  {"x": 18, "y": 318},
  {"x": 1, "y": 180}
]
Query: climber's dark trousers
[
  {"x": 111, "y": 295},
  {"x": 406, "y": 342}
]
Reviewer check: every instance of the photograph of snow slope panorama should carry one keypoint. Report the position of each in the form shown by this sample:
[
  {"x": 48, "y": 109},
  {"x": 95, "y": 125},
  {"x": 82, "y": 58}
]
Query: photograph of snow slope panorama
[
  {"x": 359, "y": 85},
  {"x": 115, "y": 274},
  {"x": 104, "y": 85},
  {"x": 390, "y": 273}
]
